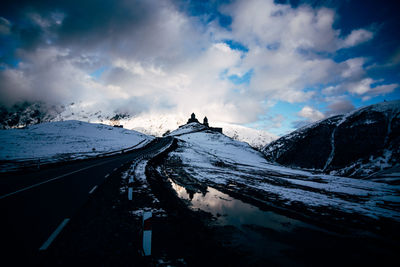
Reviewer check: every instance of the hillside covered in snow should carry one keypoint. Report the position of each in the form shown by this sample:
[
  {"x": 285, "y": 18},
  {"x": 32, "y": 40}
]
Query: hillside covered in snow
[
  {"x": 215, "y": 160},
  {"x": 64, "y": 140},
  {"x": 358, "y": 144},
  {"x": 158, "y": 125}
]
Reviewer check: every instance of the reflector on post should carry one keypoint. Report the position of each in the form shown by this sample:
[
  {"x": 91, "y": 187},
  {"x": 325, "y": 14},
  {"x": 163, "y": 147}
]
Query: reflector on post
[{"x": 147, "y": 233}]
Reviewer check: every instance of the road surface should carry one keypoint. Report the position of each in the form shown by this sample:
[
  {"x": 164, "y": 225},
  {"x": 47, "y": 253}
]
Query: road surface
[{"x": 35, "y": 204}]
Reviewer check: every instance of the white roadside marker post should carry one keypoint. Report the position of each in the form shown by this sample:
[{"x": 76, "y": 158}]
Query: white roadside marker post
[
  {"x": 130, "y": 191},
  {"x": 147, "y": 216}
]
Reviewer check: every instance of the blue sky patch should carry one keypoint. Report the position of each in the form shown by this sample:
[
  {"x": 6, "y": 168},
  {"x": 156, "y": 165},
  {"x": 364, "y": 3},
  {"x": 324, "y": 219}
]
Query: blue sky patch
[{"x": 245, "y": 79}]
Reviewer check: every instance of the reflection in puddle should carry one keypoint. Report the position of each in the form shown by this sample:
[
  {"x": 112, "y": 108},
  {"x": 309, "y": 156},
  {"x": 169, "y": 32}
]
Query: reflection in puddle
[
  {"x": 265, "y": 237},
  {"x": 230, "y": 211}
]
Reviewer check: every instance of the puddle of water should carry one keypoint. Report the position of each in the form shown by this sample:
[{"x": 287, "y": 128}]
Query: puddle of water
[
  {"x": 231, "y": 211},
  {"x": 264, "y": 236},
  {"x": 267, "y": 238}
]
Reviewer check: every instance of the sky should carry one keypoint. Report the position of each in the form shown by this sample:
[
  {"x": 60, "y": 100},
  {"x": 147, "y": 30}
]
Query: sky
[{"x": 270, "y": 65}]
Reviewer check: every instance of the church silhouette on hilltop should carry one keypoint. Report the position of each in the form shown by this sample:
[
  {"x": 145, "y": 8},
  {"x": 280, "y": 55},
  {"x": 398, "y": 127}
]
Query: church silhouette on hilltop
[{"x": 205, "y": 123}]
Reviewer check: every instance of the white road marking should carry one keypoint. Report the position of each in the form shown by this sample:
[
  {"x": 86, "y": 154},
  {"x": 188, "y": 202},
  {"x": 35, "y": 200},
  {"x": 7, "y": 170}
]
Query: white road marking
[
  {"x": 130, "y": 191},
  {"x": 54, "y": 235},
  {"x": 52, "y": 179},
  {"x": 94, "y": 188},
  {"x": 107, "y": 175}
]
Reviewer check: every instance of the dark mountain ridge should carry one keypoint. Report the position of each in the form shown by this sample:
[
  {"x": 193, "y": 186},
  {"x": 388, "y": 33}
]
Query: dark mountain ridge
[{"x": 356, "y": 144}]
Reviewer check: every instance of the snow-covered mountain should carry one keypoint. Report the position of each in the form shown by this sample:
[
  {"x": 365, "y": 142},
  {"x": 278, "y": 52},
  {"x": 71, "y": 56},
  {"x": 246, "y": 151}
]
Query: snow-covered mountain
[
  {"x": 159, "y": 124},
  {"x": 256, "y": 138},
  {"x": 357, "y": 144},
  {"x": 151, "y": 124},
  {"x": 65, "y": 140},
  {"x": 30, "y": 113}
]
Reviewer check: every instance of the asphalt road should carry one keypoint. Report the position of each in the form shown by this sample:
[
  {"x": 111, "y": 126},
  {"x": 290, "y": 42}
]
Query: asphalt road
[{"x": 34, "y": 204}]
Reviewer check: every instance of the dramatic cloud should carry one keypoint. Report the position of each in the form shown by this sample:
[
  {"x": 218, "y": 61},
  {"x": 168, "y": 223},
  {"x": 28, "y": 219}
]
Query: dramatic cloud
[
  {"x": 158, "y": 57},
  {"x": 284, "y": 44}
]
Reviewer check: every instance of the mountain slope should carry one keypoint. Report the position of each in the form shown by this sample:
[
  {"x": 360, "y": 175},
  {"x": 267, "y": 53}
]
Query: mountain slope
[
  {"x": 205, "y": 158},
  {"x": 357, "y": 144},
  {"x": 55, "y": 141}
]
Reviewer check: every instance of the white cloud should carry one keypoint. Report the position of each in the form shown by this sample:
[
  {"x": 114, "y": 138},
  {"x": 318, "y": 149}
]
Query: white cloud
[
  {"x": 367, "y": 88},
  {"x": 357, "y": 37},
  {"x": 353, "y": 68},
  {"x": 311, "y": 114},
  {"x": 383, "y": 89},
  {"x": 258, "y": 22},
  {"x": 363, "y": 87}
]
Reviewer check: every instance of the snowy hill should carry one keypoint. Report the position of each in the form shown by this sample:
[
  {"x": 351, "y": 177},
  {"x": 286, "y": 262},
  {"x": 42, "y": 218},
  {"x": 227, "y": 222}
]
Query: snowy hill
[
  {"x": 64, "y": 140},
  {"x": 157, "y": 125},
  {"x": 207, "y": 158},
  {"x": 150, "y": 124},
  {"x": 357, "y": 144},
  {"x": 188, "y": 128}
]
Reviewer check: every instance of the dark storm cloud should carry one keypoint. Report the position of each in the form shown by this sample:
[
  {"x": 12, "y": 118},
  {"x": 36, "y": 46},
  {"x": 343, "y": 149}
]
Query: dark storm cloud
[
  {"x": 60, "y": 41},
  {"x": 95, "y": 21},
  {"x": 131, "y": 29},
  {"x": 88, "y": 20}
]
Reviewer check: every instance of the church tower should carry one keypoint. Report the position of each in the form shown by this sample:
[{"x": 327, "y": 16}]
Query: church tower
[
  {"x": 205, "y": 122},
  {"x": 192, "y": 119}
]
